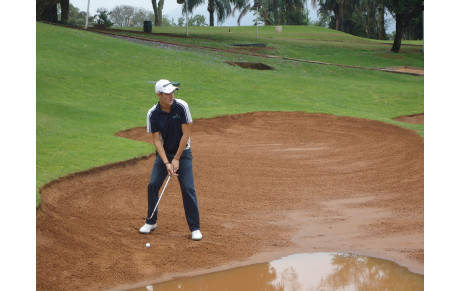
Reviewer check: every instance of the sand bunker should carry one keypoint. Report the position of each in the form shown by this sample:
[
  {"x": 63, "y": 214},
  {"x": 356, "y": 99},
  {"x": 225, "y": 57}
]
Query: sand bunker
[
  {"x": 249, "y": 65},
  {"x": 269, "y": 184},
  {"x": 414, "y": 119}
]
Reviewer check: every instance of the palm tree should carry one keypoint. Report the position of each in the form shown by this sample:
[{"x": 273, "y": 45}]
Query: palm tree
[
  {"x": 265, "y": 11},
  {"x": 364, "y": 18},
  {"x": 340, "y": 10},
  {"x": 381, "y": 9},
  {"x": 292, "y": 11},
  {"x": 223, "y": 8},
  {"x": 243, "y": 11},
  {"x": 338, "y": 7}
]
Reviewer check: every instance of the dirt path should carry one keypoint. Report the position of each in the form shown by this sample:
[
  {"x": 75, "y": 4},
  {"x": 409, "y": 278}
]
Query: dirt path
[{"x": 268, "y": 184}]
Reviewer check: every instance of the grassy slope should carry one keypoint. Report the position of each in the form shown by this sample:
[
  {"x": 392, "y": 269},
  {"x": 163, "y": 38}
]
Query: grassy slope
[
  {"x": 91, "y": 86},
  {"x": 301, "y": 42}
]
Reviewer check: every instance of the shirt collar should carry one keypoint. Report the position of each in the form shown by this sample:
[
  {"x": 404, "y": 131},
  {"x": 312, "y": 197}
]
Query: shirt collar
[{"x": 173, "y": 106}]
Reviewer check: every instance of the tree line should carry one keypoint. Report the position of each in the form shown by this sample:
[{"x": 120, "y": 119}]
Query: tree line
[
  {"x": 365, "y": 18},
  {"x": 121, "y": 16}
]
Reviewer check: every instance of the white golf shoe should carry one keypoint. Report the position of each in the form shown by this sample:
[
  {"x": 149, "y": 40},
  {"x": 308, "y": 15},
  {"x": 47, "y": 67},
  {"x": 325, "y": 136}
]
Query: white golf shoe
[
  {"x": 147, "y": 228},
  {"x": 196, "y": 235}
]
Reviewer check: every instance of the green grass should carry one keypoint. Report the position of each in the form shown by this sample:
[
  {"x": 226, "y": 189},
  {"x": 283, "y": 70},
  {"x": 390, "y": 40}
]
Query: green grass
[
  {"x": 91, "y": 86},
  {"x": 302, "y": 42}
]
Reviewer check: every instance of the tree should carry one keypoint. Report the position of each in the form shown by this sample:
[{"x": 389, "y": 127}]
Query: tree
[
  {"x": 46, "y": 10},
  {"x": 77, "y": 17},
  {"x": 167, "y": 22},
  {"x": 102, "y": 18},
  {"x": 181, "y": 22},
  {"x": 275, "y": 12},
  {"x": 125, "y": 15},
  {"x": 364, "y": 19},
  {"x": 122, "y": 15},
  {"x": 369, "y": 19},
  {"x": 414, "y": 29},
  {"x": 65, "y": 11},
  {"x": 263, "y": 10},
  {"x": 381, "y": 9},
  {"x": 340, "y": 14},
  {"x": 198, "y": 20},
  {"x": 340, "y": 9},
  {"x": 243, "y": 11},
  {"x": 158, "y": 11},
  {"x": 404, "y": 11},
  {"x": 222, "y": 8},
  {"x": 293, "y": 12},
  {"x": 141, "y": 15}
]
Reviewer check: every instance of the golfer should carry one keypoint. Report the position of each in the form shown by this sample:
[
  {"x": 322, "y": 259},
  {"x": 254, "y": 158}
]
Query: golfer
[{"x": 169, "y": 121}]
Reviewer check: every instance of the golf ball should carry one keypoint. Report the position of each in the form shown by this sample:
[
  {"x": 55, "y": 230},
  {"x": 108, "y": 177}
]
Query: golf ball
[{"x": 147, "y": 245}]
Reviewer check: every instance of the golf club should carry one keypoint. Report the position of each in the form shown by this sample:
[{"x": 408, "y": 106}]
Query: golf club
[{"x": 161, "y": 195}]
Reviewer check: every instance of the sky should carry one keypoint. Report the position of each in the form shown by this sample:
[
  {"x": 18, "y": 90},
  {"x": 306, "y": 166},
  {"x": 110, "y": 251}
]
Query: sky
[{"x": 171, "y": 9}]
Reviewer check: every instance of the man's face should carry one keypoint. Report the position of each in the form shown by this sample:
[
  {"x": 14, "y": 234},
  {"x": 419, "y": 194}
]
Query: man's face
[{"x": 166, "y": 99}]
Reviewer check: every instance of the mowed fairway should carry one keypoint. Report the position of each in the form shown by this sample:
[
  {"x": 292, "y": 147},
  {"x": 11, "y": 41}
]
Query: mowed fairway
[{"x": 357, "y": 181}]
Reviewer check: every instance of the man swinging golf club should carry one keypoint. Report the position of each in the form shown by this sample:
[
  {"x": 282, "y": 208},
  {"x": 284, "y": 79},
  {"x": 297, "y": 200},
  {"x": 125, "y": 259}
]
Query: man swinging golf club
[{"x": 169, "y": 121}]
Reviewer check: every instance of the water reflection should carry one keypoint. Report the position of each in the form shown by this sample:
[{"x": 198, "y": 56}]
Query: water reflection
[
  {"x": 317, "y": 271},
  {"x": 332, "y": 271},
  {"x": 254, "y": 277}
]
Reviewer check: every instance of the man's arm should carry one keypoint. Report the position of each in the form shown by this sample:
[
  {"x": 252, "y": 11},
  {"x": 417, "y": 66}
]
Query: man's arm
[
  {"x": 186, "y": 130},
  {"x": 161, "y": 151}
]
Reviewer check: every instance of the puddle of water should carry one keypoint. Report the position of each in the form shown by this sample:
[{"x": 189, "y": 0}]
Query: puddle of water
[{"x": 312, "y": 271}]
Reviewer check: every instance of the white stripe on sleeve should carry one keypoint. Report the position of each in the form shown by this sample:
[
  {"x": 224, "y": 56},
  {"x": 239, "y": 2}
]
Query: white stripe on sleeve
[
  {"x": 183, "y": 104},
  {"x": 149, "y": 113}
]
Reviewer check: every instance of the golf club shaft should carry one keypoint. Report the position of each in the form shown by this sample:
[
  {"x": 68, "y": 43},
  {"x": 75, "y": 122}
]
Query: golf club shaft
[{"x": 161, "y": 195}]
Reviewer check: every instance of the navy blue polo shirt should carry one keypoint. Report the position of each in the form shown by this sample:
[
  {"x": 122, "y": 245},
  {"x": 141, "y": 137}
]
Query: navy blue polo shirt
[{"x": 169, "y": 124}]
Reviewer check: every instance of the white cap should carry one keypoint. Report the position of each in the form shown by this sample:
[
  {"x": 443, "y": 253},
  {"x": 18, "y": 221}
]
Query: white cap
[{"x": 164, "y": 86}]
